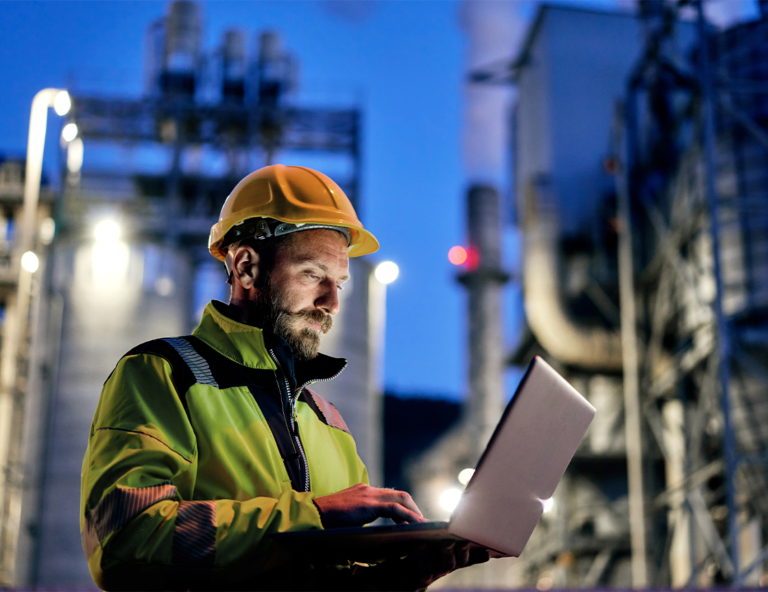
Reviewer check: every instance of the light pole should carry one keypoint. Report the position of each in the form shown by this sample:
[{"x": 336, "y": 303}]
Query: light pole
[{"x": 13, "y": 355}]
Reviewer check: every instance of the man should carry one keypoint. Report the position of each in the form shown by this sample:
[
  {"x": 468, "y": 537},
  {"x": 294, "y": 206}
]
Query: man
[{"x": 201, "y": 446}]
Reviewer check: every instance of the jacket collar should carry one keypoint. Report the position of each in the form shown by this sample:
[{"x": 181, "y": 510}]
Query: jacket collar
[{"x": 251, "y": 346}]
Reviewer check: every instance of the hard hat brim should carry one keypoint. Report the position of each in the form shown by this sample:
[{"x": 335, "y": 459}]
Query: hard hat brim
[{"x": 362, "y": 242}]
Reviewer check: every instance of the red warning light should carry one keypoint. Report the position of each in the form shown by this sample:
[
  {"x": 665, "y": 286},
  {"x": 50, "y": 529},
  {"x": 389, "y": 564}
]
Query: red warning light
[
  {"x": 473, "y": 258},
  {"x": 457, "y": 255}
]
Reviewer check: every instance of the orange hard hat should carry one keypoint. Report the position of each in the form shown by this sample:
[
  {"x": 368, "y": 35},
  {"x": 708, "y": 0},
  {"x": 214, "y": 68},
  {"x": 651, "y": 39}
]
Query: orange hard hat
[{"x": 300, "y": 198}]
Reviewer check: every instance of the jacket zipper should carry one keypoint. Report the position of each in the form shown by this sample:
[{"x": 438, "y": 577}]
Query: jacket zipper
[
  {"x": 292, "y": 428},
  {"x": 301, "y": 388}
]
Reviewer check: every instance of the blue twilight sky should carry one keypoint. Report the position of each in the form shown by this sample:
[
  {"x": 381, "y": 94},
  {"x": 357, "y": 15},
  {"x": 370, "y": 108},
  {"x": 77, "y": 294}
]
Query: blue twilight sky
[{"x": 405, "y": 63}]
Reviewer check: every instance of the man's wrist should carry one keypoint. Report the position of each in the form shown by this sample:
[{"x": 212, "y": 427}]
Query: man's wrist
[{"x": 319, "y": 512}]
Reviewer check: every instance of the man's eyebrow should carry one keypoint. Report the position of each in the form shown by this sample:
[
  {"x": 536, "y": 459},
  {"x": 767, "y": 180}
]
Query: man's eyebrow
[{"x": 322, "y": 266}]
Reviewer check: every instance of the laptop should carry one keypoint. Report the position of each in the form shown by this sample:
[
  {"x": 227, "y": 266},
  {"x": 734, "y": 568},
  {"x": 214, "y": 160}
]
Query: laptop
[{"x": 531, "y": 447}]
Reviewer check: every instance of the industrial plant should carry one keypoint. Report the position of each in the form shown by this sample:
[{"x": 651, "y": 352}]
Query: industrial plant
[{"x": 638, "y": 159}]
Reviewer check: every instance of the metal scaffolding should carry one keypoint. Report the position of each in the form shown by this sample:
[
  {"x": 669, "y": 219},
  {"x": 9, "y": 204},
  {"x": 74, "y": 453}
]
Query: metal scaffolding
[
  {"x": 686, "y": 228},
  {"x": 697, "y": 205},
  {"x": 193, "y": 200}
]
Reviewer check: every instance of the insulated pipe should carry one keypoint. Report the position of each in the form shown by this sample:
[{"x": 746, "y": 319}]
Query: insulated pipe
[
  {"x": 14, "y": 337},
  {"x": 562, "y": 336}
]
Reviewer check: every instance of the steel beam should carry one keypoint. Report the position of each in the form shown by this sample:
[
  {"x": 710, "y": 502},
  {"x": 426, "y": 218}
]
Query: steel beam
[
  {"x": 723, "y": 334},
  {"x": 630, "y": 362}
]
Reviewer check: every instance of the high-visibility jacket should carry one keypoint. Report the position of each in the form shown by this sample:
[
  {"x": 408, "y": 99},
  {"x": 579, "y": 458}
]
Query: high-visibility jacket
[{"x": 199, "y": 448}]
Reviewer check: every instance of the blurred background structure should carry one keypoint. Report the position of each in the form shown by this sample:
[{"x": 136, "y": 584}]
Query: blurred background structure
[
  {"x": 623, "y": 148},
  {"x": 638, "y": 192}
]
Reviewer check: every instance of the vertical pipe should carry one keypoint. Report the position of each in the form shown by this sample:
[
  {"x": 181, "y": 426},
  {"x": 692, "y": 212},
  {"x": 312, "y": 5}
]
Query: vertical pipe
[
  {"x": 13, "y": 351},
  {"x": 678, "y": 518},
  {"x": 377, "y": 323},
  {"x": 723, "y": 336},
  {"x": 632, "y": 413},
  {"x": 357, "y": 165},
  {"x": 484, "y": 282}
]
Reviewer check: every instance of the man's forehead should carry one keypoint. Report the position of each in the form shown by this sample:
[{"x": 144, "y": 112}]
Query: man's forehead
[{"x": 318, "y": 245}]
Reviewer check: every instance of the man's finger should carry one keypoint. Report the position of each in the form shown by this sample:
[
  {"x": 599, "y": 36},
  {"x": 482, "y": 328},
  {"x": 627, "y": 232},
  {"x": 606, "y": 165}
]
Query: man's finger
[
  {"x": 478, "y": 555},
  {"x": 401, "y": 497},
  {"x": 398, "y": 512},
  {"x": 446, "y": 558},
  {"x": 408, "y": 502},
  {"x": 462, "y": 555}
]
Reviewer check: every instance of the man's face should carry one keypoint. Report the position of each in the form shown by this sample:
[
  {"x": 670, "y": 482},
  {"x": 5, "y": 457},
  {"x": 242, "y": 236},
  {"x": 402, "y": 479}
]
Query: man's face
[{"x": 301, "y": 291}]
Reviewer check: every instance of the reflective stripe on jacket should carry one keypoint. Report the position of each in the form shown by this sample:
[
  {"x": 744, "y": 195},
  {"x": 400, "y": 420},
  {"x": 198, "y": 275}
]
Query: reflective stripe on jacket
[{"x": 193, "y": 460}]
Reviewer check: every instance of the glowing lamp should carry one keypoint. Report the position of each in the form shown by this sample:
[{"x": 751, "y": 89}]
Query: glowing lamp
[
  {"x": 69, "y": 132},
  {"x": 473, "y": 258},
  {"x": 30, "y": 262},
  {"x": 457, "y": 255},
  {"x": 107, "y": 231},
  {"x": 387, "y": 272},
  {"x": 450, "y": 498},
  {"x": 62, "y": 103},
  {"x": 465, "y": 475}
]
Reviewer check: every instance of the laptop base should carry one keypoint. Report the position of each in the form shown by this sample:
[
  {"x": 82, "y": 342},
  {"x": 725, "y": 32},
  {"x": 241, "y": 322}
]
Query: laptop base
[{"x": 366, "y": 544}]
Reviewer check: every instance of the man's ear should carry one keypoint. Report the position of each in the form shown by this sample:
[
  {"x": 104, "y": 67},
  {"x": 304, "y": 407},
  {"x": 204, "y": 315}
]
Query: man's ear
[{"x": 245, "y": 266}]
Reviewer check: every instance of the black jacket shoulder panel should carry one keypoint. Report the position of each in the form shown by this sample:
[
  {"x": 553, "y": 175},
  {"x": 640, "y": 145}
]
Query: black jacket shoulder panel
[
  {"x": 181, "y": 375},
  {"x": 227, "y": 373}
]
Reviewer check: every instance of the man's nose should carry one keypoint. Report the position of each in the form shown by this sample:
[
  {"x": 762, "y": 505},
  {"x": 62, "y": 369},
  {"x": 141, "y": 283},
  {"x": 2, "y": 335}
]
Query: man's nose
[{"x": 328, "y": 301}]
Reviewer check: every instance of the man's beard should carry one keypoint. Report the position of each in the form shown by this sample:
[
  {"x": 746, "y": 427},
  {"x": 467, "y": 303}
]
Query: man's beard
[{"x": 291, "y": 326}]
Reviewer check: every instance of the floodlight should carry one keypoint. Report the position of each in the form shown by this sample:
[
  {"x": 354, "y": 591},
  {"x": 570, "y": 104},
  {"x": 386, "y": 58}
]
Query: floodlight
[
  {"x": 107, "y": 231},
  {"x": 465, "y": 475},
  {"x": 387, "y": 272},
  {"x": 62, "y": 103},
  {"x": 30, "y": 262},
  {"x": 69, "y": 132},
  {"x": 450, "y": 498}
]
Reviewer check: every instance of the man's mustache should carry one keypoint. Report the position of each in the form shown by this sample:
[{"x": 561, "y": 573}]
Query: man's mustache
[{"x": 316, "y": 316}]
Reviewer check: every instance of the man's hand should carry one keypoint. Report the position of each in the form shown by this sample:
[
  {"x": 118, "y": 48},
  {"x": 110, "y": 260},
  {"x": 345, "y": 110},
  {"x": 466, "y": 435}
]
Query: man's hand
[{"x": 361, "y": 504}]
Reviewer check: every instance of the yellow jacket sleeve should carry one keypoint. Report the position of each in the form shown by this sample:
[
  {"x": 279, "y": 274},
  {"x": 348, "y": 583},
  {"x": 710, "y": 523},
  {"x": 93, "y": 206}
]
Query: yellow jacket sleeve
[{"x": 140, "y": 522}]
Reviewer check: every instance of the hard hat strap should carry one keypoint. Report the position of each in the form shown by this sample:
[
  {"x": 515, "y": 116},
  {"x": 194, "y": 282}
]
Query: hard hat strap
[
  {"x": 228, "y": 265},
  {"x": 264, "y": 228}
]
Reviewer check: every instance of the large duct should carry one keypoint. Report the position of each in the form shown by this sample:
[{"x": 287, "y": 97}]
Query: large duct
[{"x": 562, "y": 336}]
